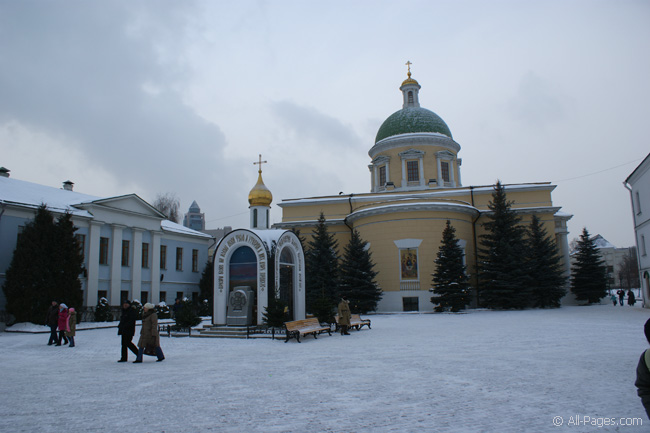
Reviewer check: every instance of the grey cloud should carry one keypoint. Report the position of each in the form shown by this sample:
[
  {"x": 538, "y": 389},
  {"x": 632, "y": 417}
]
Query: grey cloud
[{"x": 78, "y": 70}]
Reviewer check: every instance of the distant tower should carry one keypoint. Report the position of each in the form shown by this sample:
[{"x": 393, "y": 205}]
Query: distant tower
[
  {"x": 260, "y": 199},
  {"x": 194, "y": 219}
]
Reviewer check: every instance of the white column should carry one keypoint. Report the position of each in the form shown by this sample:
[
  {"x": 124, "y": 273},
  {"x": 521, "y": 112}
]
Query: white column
[
  {"x": 439, "y": 174},
  {"x": 404, "y": 174},
  {"x": 155, "y": 267},
  {"x": 93, "y": 263},
  {"x": 421, "y": 170},
  {"x": 116, "y": 265},
  {"x": 452, "y": 177},
  {"x": 458, "y": 164},
  {"x": 136, "y": 275}
]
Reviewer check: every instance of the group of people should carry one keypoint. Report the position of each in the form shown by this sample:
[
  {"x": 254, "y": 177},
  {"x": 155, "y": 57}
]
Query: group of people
[
  {"x": 631, "y": 299},
  {"x": 64, "y": 320},
  {"x": 149, "y": 342}
]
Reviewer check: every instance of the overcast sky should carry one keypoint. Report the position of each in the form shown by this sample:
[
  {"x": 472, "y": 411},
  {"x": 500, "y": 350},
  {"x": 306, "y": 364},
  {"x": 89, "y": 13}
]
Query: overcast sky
[{"x": 180, "y": 97}]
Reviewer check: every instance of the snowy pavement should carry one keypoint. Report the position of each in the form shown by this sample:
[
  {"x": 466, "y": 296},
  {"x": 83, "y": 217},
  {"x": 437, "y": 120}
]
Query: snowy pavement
[{"x": 484, "y": 371}]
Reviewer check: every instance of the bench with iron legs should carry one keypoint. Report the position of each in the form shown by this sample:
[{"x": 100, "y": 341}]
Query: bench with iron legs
[{"x": 299, "y": 328}]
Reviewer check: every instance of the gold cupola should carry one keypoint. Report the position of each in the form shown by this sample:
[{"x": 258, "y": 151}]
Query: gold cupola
[{"x": 260, "y": 194}]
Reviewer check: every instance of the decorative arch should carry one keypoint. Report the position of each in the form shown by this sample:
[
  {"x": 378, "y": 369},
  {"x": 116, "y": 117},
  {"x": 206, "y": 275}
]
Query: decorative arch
[{"x": 260, "y": 242}]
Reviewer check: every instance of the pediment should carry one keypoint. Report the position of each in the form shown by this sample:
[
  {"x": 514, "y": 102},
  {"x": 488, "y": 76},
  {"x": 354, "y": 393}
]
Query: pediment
[{"x": 130, "y": 203}]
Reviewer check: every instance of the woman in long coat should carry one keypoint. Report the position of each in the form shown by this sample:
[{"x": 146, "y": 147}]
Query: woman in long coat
[
  {"x": 149, "y": 337},
  {"x": 344, "y": 315}
]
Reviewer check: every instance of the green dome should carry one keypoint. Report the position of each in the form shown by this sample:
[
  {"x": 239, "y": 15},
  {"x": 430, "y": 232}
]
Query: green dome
[{"x": 412, "y": 119}]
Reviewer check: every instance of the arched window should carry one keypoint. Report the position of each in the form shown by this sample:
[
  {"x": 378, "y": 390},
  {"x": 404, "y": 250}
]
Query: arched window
[
  {"x": 243, "y": 268},
  {"x": 254, "y": 218},
  {"x": 410, "y": 96}
]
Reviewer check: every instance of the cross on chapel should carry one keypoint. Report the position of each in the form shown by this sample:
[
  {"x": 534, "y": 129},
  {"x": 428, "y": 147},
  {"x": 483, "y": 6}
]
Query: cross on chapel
[{"x": 260, "y": 162}]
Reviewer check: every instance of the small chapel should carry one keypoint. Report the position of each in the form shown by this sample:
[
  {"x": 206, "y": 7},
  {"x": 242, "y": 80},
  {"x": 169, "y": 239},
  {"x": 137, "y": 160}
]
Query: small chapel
[
  {"x": 252, "y": 265},
  {"x": 416, "y": 186}
]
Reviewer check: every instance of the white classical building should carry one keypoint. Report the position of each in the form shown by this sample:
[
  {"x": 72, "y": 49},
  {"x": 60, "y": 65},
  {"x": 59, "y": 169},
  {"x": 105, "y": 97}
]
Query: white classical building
[
  {"x": 268, "y": 262},
  {"x": 638, "y": 183},
  {"x": 131, "y": 251}
]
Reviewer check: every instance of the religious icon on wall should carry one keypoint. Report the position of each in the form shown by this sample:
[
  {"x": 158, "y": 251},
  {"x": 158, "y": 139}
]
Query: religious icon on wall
[{"x": 409, "y": 264}]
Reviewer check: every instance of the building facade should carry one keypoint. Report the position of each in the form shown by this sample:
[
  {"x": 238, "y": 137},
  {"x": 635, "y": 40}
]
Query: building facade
[
  {"x": 415, "y": 187},
  {"x": 638, "y": 184},
  {"x": 131, "y": 251}
]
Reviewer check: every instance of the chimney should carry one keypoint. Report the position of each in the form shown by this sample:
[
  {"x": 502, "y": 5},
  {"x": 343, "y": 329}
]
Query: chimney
[
  {"x": 67, "y": 185},
  {"x": 4, "y": 172}
]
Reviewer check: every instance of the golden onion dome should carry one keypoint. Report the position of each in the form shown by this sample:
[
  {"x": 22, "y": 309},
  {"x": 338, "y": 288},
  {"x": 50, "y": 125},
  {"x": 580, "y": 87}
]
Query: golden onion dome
[
  {"x": 410, "y": 80},
  {"x": 260, "y": 194}
]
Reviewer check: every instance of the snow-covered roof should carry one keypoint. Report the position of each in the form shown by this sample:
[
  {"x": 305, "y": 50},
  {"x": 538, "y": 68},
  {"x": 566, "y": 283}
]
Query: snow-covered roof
[
  {"x": 32, "y": 195},
  {"x": 170, "y": 226},
  {"x": 601, "y": 242}
]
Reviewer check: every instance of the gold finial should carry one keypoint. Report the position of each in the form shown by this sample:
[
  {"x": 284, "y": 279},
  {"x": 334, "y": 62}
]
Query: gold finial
[
  {"x": 409, "y": 80},
  {"x": 260, "y": 162},
  {"x": 408, "y": 63}
]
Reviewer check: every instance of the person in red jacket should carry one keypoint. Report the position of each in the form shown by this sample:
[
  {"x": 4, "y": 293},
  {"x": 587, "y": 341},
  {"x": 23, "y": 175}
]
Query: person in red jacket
[{"x": 63, "y": 324}]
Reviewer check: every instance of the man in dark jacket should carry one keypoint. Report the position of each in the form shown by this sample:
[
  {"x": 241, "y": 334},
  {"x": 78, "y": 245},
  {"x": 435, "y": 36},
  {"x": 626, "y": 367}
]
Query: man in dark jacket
[
  {"x": 643, "y": 373},
  {"x": 126, "y": 329},
  {"x": 52, "y": 320}
]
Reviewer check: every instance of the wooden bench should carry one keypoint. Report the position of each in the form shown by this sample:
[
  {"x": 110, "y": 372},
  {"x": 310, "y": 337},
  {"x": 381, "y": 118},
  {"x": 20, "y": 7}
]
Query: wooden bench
[
  {"x": 298, "y": 328},
  {"x": 356, "y": 322}
]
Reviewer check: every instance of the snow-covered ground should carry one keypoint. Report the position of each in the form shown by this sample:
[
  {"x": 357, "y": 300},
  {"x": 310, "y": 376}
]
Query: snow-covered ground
[{"x": 484, "y": 371}]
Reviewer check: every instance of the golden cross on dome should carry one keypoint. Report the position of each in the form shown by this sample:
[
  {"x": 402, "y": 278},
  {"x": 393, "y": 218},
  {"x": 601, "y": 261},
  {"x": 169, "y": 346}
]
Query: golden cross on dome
[
  {"x": 260, "y": 163},
  {"x": 408, "y": 63}
]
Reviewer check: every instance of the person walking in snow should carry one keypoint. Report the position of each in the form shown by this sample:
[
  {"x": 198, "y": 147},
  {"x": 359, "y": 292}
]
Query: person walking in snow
[
  {"x": 149, "y": 341},
  {"x": 643, "y": 373},
  {"x": 71, "y": 328},
  {"x": 344, "y": 315},
  {"x": 62, "y": 324},
  {"x": 126, "y": 329},
  {"x": 614, "y": 300},
  {"x": 621, "y": 295},
  {"x": 52, "y": 320},
  {"x": 631, "y": 300}
]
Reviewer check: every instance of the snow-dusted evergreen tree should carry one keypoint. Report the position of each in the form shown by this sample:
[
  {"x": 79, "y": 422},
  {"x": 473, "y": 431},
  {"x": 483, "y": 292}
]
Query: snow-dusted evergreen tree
[
  {"x": 321, "y": 268},
  {"x": 45, "y": 266},
  {"x": 357, "y": 276},
  {"x": 589, "y": 273},
  {"x": 186, "y": 317},
  {"x": 503, "y": 276},
  {"x": 546, "y": 278},
  {"x": 206, "y": 288},
  {"x": 450, "y": 281},
  {"x": 103, "y": 311}
]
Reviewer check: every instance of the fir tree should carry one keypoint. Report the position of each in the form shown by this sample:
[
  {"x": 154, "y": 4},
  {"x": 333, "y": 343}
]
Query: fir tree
[
  {"x": 276, "y": 313},
  {"x": 503, "y": 277},
  {"x": 186, "y": 316},
  {"x": 321, "y": 267},
  {"x": 546, "y": 275},
  {"x": 589, "y": 273},
  {"x": 357, "y": 276},
  {"x": 45, "y": 266},
  {"x": 450, "y": 281},
  {"x": 103, "y": 311},
  {"x": 206, "y": 288}
]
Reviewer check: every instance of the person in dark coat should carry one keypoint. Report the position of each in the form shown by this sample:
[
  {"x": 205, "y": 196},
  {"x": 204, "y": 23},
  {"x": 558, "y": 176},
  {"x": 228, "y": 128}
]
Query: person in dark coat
[
  {"x": 149, "y": 337},
  {"x": 52, "y": 320},
  {"x": 631, "y": 300},
  {"x": 643, "y": 373},
  {"x": 126, "y": 329},
  {"x": 621, "y": 295}
]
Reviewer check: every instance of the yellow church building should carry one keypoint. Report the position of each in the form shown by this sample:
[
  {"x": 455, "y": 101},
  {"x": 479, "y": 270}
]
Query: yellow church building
[{"x": 415, "y": 175}]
